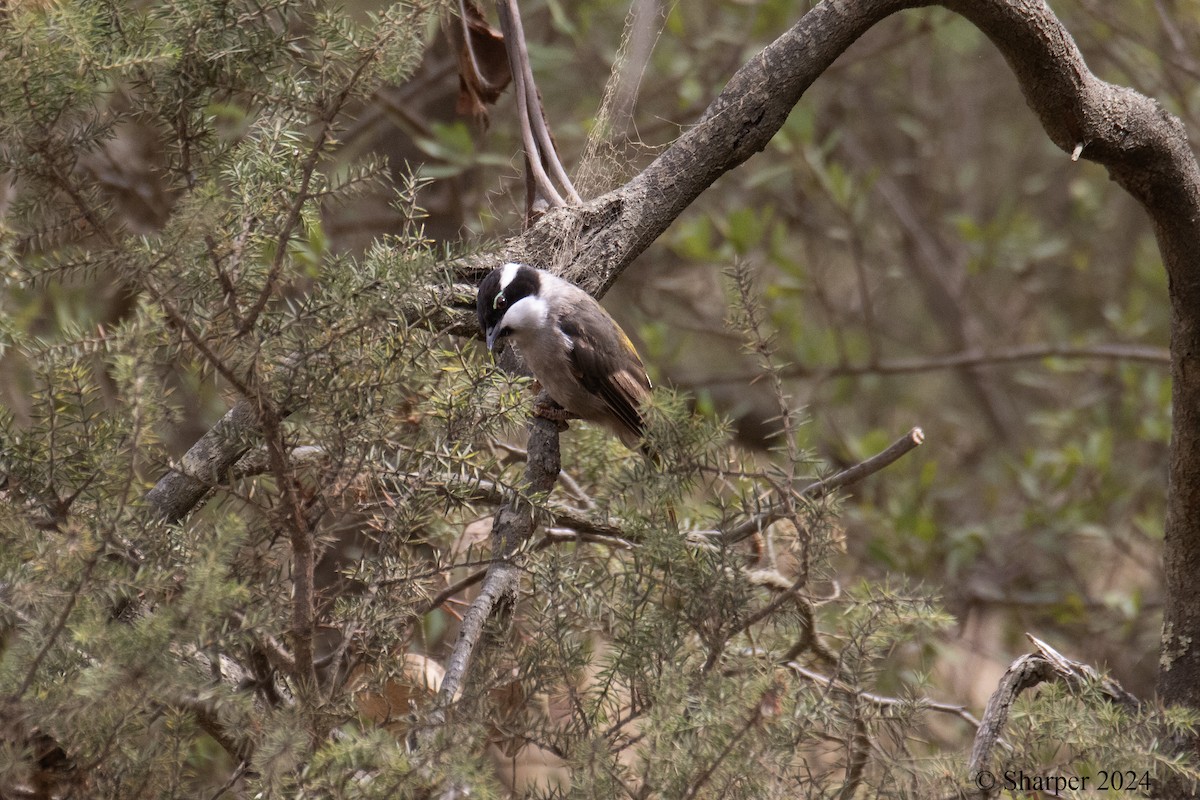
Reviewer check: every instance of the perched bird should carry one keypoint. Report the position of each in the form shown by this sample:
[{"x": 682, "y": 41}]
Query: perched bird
[{"x": 576, "y": 351}]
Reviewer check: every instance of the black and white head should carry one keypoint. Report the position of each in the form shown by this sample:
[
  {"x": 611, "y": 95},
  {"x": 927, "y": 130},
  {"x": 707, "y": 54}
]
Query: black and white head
[
  {"x": 509, "y": 301},
  {"x": 576, "y": 351}
]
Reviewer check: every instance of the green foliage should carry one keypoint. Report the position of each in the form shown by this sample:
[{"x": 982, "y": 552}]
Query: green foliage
[{"x": 178, "y": 177}]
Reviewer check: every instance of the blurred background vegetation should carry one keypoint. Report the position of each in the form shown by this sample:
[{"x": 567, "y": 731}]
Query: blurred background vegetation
[
  {"x": 911, "y": 213},
  {"x": 925, "y": 256}
]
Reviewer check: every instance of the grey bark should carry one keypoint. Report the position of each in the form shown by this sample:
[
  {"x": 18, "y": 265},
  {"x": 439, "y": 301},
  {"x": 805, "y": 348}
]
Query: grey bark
[
  {"x": 512, "y": 528},
  {"x": 1026, "y": 672},
  {"x": 206, "y": 464}
]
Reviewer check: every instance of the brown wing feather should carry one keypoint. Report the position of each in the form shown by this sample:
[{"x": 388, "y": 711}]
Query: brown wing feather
[
  {"x": 623, "y": 394},
  {"x": 617, "y": 378}
]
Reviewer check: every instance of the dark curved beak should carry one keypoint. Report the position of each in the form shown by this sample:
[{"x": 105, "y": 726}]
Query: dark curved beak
[{"x": 493, "y": 333}]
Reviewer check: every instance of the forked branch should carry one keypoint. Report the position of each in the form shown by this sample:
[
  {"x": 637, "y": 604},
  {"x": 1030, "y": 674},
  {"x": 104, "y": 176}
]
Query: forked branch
[{"x": 545, "y": 174}]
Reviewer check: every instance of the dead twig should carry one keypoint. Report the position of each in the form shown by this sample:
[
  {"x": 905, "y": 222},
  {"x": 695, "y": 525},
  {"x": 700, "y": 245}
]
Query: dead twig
[
  {"x": 1026, "y": 672},
  {"x": 847, "y": 477}
]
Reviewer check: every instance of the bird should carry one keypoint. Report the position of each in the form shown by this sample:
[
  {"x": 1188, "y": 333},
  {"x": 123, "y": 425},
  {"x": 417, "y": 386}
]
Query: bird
[{"x": 575, "y": 350}]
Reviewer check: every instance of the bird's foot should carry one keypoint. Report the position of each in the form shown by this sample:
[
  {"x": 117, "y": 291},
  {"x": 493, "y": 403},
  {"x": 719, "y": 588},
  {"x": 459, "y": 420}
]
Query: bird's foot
[{"x": 546, "y": 408}]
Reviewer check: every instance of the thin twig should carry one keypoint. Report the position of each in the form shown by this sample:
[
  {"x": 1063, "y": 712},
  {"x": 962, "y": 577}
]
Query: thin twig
[
  {"x": 257, "y": 462},
  {"x": 858, "y": 746},
  {"x": 763, "y": 346},
  {"x": 551, "y": 537},
  {"x": 884, "y": 701},
  {"x": 813, "y": 491},
  {"x": 276, "y": 653},
  {"x": 307, "y": 170},
  {"x": 179, "y": 321}
]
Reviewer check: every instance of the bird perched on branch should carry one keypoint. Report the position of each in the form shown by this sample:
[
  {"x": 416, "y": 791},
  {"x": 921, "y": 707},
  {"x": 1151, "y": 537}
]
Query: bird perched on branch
[{"x": 576, "y": 351}]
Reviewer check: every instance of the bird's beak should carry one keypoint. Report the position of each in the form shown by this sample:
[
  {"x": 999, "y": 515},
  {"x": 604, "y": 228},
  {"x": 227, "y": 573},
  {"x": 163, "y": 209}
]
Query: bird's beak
[{"x": 492, "y": 334}]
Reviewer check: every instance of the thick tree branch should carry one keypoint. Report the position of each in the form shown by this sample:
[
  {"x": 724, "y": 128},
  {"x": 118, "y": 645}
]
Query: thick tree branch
[
  {"x": 1144, "y": 147},
  {"x": 1146, "y": 151},
  {"x": 593, "y": 243},
  {"x": 206, "y": 464}
]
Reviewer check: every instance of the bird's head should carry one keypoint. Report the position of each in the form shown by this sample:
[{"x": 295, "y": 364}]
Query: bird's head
[{"x": 509, "y": 302}]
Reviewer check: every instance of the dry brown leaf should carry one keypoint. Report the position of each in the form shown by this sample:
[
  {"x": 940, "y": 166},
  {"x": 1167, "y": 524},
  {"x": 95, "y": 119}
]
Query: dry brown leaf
[
  {"x": 474, "y": 542},
  {"x": 420, "y": 678},
  {"x": 483, "y": 71}
]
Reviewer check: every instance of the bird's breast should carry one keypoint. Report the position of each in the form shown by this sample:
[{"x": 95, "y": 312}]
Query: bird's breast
[{"x": 548, "y": 358}]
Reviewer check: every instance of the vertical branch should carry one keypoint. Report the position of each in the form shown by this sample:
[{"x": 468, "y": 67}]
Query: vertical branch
[
  {"x": 932, "y": 262},
  {"x": 541, "y": 156},
  {"x": 858, "y": 750},
  {"x": 764, "y": 349},
  {"x": 534, "y": 110},
  {"x": 300, "y": 536},
  {"x": 514, "y": 524},
  {"x": 512, "y": 528}
]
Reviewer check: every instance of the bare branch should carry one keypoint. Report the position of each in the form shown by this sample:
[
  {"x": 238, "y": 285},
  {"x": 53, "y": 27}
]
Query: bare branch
[
  {"x": 303, "y": 545},
  {"x": 1079, "y": 676},
  {"x": 257, "y": 462},
  {"x": 856, "y": 473},
  {"x": 512, "y": 527},
  {"x": 536, "y": 115},
  {"x": 1026, "y": 672},
  {"x": 849, "y": 476},
  {"x": 206, "y": 464},
  {"x": 539, "y": 148}
]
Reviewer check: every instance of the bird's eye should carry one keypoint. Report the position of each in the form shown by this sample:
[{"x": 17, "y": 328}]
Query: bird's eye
[{"x": 500, "y": 302}]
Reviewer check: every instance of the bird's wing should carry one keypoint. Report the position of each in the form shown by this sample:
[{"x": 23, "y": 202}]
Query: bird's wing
[{"x": 616, "y": 377}]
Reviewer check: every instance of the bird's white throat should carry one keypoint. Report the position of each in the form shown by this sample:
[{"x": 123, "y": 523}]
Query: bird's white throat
[{"x": 527, "y": 314}]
